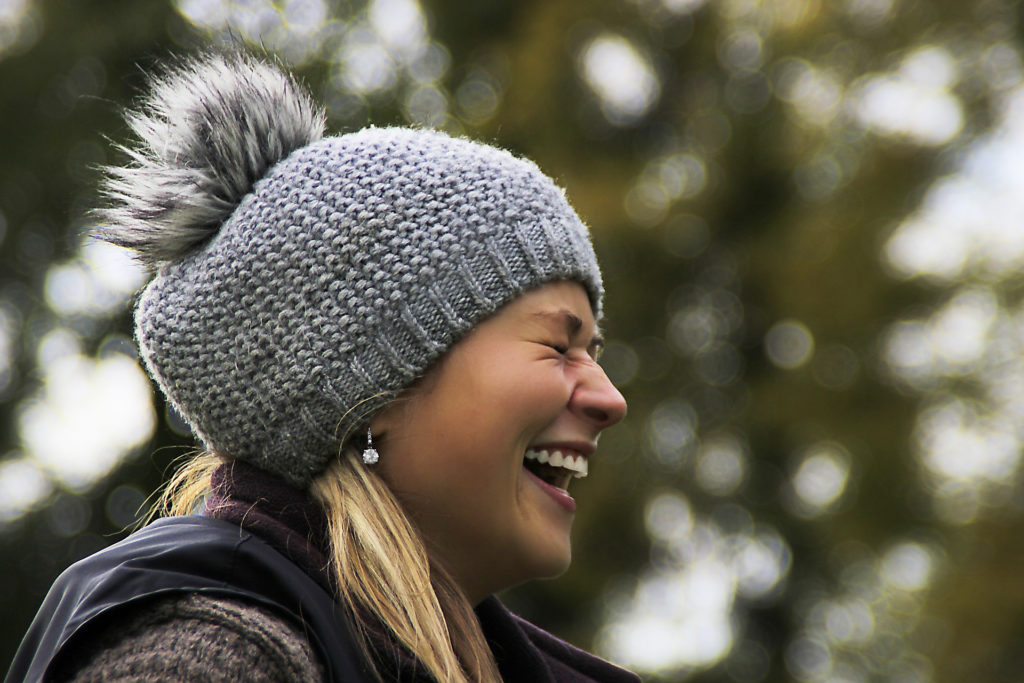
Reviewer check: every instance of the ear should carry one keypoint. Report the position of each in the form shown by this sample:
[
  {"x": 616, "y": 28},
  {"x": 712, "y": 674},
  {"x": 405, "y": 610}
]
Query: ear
[
  {"x": 383, "y": 421},
  {"x": 398, "y": 408}
]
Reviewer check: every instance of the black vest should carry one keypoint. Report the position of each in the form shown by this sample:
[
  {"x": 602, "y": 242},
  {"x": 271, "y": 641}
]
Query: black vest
[{"x": 186, "y": 554}]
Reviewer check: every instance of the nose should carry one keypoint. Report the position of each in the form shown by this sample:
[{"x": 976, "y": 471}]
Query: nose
[{"x": 597, "y": 400}]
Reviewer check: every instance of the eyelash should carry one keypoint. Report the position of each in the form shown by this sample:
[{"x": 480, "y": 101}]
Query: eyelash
[{"x": 563, "y": 349}]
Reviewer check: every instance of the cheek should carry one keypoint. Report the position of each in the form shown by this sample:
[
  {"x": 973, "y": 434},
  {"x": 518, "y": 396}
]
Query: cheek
[
  {"x": 467, "y": 435},
  {"x": 496, "y": 409},
  {"x": 536, "y": 398},
  {"x": 441, "y": 455}
]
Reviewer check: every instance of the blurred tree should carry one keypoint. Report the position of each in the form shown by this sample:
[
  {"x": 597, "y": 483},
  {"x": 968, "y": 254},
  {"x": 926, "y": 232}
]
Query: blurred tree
[{"x": 819, "y": 478}]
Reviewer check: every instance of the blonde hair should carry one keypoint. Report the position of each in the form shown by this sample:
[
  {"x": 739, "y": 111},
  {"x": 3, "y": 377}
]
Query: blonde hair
[{"x": 380, "y": 565}]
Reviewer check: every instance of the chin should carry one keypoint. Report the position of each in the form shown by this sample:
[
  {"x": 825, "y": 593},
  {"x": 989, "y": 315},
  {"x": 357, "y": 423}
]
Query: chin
[
  {"x": 551, "y": 570},
  {"x": 551, "y": 565}
]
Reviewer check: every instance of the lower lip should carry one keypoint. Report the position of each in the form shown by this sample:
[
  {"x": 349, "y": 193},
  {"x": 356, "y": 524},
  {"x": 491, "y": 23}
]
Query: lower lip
[{"x": 561, "y": 497}]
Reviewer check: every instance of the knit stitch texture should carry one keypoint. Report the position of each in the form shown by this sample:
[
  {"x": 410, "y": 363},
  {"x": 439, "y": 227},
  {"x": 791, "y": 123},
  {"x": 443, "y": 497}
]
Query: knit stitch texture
[
  {"x": 193, "y": 637},
  {"x": 351, "y": 266}
]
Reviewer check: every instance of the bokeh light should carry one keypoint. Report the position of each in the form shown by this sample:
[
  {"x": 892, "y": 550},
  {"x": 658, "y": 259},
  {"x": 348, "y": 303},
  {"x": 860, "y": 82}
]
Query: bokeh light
[
  {"x": 683, "y": 615},
  {"x": 621, "y": 77},
  {"x": 89, "y": 414},
  {"x": 23, "y": 486},
  {"x": 865, "y": 628},
  {"x": 20, "y": 26},
  {"x": 915, "y": 102},
  {"x": 88, "y": 418},
  {"x": 966, "y": 222},
  {"x": 672, "y": 432},
  {"x": 789, "y": 344},
  {"x": 721, "y": 464},
  {"x": 96, "y": 283},
  {"x": 819, "y": 480}
]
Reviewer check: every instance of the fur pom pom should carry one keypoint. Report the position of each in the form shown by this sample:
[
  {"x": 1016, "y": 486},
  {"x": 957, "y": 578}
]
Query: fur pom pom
[{"x": 209, "y": 129}]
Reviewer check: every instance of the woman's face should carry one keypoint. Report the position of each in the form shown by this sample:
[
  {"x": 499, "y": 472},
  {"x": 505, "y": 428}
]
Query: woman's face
[{"x": 453, "y": 451}]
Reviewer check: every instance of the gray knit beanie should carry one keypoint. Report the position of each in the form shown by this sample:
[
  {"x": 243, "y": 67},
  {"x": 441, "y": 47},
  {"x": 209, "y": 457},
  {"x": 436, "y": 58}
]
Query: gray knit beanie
[{"x": 300, "y": 281}]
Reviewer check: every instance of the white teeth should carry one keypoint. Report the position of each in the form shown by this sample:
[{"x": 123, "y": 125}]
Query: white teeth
[
  {"x": 583, "y": 468},
  {"x": 578, "y": 464}
]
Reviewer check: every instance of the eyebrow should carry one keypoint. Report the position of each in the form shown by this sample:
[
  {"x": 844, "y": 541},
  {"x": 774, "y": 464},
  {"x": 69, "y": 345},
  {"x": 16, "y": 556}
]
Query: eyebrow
[{"x": 573, "y": 325}]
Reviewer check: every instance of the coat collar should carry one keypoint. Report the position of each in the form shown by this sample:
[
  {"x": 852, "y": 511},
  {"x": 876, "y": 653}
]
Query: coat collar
[{"x": 295, "y": 525}]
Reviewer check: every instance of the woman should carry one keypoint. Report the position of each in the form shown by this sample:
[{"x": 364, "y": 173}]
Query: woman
[{"x": 387, "y": 343}]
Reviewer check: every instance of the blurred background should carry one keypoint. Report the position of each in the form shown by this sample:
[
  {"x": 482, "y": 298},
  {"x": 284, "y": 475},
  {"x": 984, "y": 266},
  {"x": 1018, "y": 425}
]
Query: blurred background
[{"x": 810, "y": 214}]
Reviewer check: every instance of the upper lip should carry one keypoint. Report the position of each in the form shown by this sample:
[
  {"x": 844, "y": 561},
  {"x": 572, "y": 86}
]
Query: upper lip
[{"x": 584, "y": 448}]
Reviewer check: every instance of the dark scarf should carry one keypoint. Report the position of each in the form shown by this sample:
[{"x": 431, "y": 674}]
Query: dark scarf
[{"x": 295, "y": 526}]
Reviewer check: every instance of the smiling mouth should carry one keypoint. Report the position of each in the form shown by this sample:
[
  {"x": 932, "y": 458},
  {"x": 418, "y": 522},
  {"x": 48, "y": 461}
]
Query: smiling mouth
[{"x": 555, "y": 466}]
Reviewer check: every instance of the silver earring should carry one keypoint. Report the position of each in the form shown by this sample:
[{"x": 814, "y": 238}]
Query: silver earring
[{"x": 370, "y": 454}]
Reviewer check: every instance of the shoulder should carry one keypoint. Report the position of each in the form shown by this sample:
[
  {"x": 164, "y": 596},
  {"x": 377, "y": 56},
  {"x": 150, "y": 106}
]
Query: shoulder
[
  {"x": 190, "y": 637},
  {"x": 163, "y": 565}
]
